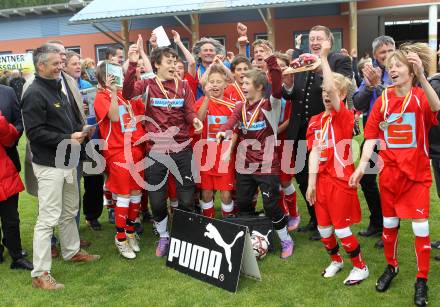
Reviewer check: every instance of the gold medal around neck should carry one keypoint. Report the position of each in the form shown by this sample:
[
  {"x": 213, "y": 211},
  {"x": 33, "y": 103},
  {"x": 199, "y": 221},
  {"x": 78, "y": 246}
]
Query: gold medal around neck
[{"x": 383, "y": 125}]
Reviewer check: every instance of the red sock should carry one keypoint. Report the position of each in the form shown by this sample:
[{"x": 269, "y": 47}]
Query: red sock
[
  {"x": 210, "y": 212},
  {"x": 290, "y": 203},
  {"x": 423, "y": 254},
  {"x": 389, "y": 237},
  {"x": 133, "y": 214},
  {"x": 281, "y": 203},
  {"x": 352, "y": 247},
  {"x": 121, "y": 214},
  {"x": 332, "y": 248}
]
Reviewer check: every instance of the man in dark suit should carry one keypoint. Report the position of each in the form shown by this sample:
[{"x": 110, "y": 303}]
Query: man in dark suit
[{"x": 306, "y": 97}]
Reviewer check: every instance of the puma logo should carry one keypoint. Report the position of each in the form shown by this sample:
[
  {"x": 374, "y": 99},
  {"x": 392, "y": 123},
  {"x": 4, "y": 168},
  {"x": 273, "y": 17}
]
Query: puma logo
[
  {"x": 427, "y": 246},
  {"x": 421, "y": 211},
  {"x": 188, "y": 177},
  {"x": 212, "y": 233},
  {"x": 266, "y": 194},
  {"x": 257, "y": 233}
]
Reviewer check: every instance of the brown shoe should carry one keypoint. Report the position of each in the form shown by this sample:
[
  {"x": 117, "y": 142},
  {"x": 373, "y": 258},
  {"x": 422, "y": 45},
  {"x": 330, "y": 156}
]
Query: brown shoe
[
  {"x": 83, "y": 256},
  {"x": 84, "y": 243},
  {"x": 46, "y": 282},
  {"x": 54, "y": 251}
]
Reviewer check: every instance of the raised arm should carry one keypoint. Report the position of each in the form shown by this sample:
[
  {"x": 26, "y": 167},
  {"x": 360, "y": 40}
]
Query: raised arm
[
  {"x": 143, "y": 55},
  {"x": 131, "y": 87},
  {"x": 188, "y": 55},
  {"x": 433, "y": 99},
  {"x": 328, "y": 82}
]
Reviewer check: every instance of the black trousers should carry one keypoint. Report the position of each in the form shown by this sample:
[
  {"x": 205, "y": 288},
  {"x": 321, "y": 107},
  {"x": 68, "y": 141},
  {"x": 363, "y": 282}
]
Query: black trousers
[
  {"x": 436, "y": 168},
  {"x": 246, "y": 187},
  {"x": 93, "y": 196},
  {"x": 156, "y": 176},
  {"x": 302, "y": 176},
  {"x": 11, "y": 227},
  {"x": 371, "y": 194}
]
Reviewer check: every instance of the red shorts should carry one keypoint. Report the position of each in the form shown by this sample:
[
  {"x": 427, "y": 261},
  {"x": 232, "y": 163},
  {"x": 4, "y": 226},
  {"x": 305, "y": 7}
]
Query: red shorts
[
  {"x": 119, "y": 179},
  {"x": 336, "y": 205},
  {"x": 223, "y": 182},
  {"x": 171, "y": 187},
  {"x": 401, "y": 197}
]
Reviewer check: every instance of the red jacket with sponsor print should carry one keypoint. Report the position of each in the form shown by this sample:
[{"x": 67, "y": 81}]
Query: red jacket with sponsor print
[
  {"x": 169, "y": 118},
  {"x": 10, "y": 182}
]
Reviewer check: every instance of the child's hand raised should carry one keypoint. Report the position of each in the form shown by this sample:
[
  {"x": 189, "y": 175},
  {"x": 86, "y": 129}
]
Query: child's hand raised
[
  {"x": 325, "y": 48},
  {"x": 267, "y": 51},
  {"x": 414, "y": 59}
]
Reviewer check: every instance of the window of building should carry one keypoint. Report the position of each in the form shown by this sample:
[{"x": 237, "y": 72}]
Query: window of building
[
  {"x": 220, "y": 39},
  {"x": 76, "y": 49},
  {"x": 260, "y": 36},
  {"x": 185, "y": 42},
  {"x": 337, "y": 44},
  {"x": 100, "y": 51}
]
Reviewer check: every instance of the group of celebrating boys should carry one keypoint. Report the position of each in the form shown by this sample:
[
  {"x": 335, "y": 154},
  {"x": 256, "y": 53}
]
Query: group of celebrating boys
[{"x": 240, "y": 127}]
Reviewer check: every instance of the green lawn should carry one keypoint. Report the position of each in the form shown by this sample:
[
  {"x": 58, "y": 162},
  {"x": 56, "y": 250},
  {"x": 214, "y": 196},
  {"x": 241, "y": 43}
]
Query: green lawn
[{"x": 147, "y": 281}]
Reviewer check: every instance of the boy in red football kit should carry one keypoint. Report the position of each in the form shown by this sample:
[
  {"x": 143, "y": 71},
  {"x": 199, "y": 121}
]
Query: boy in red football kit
[
  {"x": 118, "y": 126},
  {"x": 337, "y": 205},
  {"x": 401, "y": 119},
  {"x": 170, "y": 108},
  {"x": 214, "y": 110},
  {"x": 259, "y": 166},
  {"x": 287, "y": 190}
]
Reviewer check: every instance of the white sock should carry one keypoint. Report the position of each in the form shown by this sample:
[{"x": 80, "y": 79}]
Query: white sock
[
  {"x": 283, "y": 234},
  {"x": 289, "y": 190},
  {"x": 174, "y": 204},
  {"x": 228, "y": 207},
  {"x": 123, "y": 202},
  {"x": 206, "y": 206},
  {"x": 162, "y": 228}
]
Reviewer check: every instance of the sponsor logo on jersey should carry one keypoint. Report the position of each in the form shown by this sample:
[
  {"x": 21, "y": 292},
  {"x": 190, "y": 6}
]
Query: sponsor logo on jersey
[
  {"x": 167, "y": 103},
  {"x": 257, "y": 126},
  {"x": 402, "y": 132}
]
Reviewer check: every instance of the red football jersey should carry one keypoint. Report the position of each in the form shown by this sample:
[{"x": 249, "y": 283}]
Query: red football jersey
[
  {"x": 234, "y": 93},
  {"x": 114, "y": 132},
  {"x": 334, "y": 131},
  {"x": 217, "y": 115},
  {"x": 192, "y": 82},
  {"x": 406, "y": 136}
]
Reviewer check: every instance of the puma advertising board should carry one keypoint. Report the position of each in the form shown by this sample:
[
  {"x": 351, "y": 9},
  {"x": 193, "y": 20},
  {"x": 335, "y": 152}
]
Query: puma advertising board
[{"x": 211, "y": 250}]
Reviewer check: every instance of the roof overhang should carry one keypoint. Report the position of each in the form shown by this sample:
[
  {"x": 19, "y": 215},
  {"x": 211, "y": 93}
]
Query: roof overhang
[
  {"x": 111, "y": 10},
  {"x": 71, "y": 6}
]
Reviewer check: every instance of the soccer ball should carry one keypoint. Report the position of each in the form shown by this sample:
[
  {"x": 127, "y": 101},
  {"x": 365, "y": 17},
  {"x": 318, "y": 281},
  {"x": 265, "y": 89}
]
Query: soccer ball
[{"x": 260, "y": 246}]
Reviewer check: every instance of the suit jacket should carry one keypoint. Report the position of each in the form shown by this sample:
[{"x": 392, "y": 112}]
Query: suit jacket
[
  {"x": 30, "y": 180},
  {"x": 306, "y": 96},
  {"x": 10, "y": 109}
]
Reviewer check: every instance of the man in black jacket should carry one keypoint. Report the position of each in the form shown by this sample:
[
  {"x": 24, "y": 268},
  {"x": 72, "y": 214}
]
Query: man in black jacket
[
  {"x": 54, "y": 128},
  {"x": 306, "y": 98},
  {"x": 9, "y": 108}
]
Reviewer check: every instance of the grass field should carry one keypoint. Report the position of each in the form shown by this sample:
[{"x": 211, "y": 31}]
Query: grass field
[{"x": 146, "y": 281}]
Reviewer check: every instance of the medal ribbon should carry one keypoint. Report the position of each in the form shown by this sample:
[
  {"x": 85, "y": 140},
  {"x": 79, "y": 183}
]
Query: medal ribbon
[
  {"x": 125, "y": 103},
  {"x": 228, "y": 104},
  {"x": 164, "y": 91},
  {"x": 254, "y": 114},
  {"x": 239, "y": 91},
  {"x": 384, "y": 107},
  {"x": 324, "y": 130}
]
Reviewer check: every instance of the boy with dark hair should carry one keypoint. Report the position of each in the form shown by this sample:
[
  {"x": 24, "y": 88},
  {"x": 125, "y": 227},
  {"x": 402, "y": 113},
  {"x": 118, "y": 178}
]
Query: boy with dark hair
[{"x": 170, "y": 107}]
